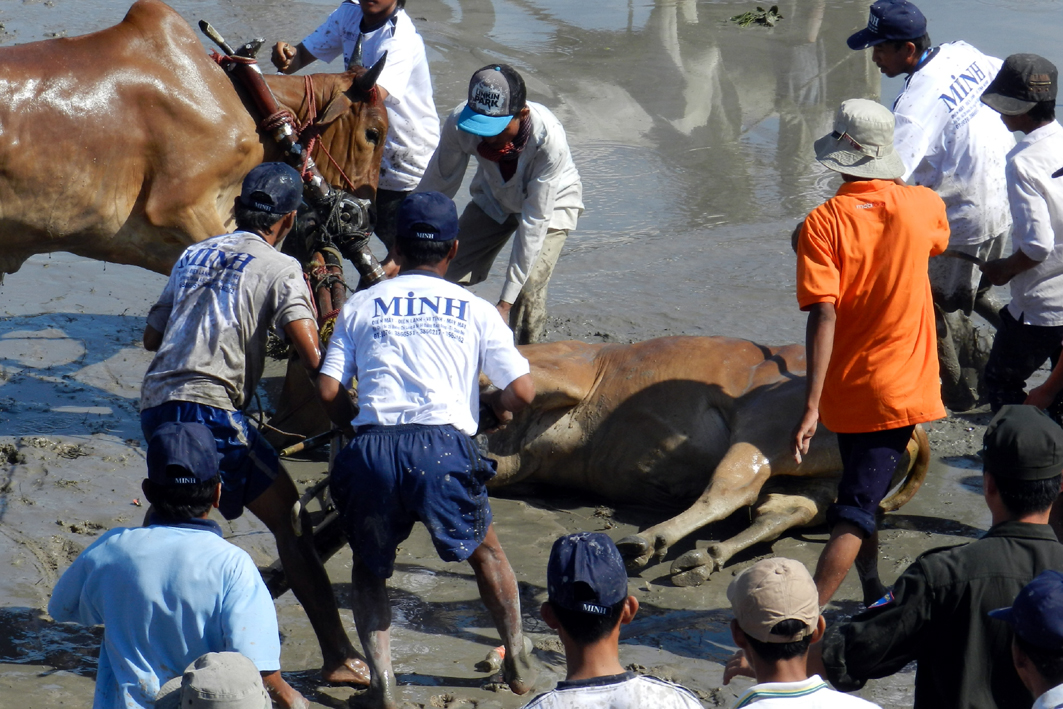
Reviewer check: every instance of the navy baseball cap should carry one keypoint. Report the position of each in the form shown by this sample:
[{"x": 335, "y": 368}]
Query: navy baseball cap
[
  {"x": 1036, "y": 614},
  {"x": 586, "y": 573},
  {"x": 1022, "y": 443},
  {"x": 430, "y": 216},
  {"x": 496, "y": 94},
  {"x": 273, "y": 187},
  {"x": 890, "y": 19},
  {"x": 187, "y": 449}
]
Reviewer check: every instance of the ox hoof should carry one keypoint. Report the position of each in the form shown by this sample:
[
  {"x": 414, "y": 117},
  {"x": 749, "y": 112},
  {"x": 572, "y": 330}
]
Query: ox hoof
[
  {"x": 694, "y": 567},
  {"x": 636, "y": 551}
]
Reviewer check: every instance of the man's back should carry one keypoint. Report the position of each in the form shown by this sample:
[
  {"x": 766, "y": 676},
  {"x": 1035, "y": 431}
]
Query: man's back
[
  {"x": 626, "y": 691},
  {"x": 938, "y": 617},
  {"x": 165, "y": 595}
]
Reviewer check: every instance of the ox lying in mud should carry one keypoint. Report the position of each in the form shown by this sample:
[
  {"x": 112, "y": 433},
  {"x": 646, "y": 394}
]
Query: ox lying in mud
[
  {"x": 698, "y": 421},
  {"x": 129, "y": 144}
]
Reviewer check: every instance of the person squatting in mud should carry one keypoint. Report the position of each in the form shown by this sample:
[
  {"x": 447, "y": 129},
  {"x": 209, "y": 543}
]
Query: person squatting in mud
[
  {"x": 525, "y": 183},
  {"x": 208, "y": 331},
  {"x": 416, "y": 345},
  {"x": 588, "y": 602},
  {"x": 212, "y": 594},
  {"x": 1024, "y": 94},
  {"x": 871, "y": 357},
  {"x": 952, "y": 143},
  {"x": 382, "y": 26}
]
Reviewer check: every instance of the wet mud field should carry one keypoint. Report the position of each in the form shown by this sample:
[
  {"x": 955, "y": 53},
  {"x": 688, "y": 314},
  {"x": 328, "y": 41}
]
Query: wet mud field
[{"x": 693, "y": 139}]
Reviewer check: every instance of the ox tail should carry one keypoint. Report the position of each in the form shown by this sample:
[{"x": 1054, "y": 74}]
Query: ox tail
[{"x": 917, "y": 461}]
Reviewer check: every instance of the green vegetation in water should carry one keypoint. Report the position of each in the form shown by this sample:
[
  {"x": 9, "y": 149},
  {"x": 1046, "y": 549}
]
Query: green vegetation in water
[{"x": 760, "y": 16}]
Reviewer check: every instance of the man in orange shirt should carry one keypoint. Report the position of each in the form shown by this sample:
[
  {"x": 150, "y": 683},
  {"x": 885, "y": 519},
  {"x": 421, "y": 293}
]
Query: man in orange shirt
[{"x": 871, "y": 344}]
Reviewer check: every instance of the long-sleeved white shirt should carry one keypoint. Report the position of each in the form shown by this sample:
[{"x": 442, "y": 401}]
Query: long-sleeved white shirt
[{"x": 545, "y": 191}]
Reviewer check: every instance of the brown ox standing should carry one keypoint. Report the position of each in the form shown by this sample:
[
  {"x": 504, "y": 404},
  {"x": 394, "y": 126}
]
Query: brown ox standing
[
  {"x": 129, "y": 144},
  {"x": 698, "y": 421}
]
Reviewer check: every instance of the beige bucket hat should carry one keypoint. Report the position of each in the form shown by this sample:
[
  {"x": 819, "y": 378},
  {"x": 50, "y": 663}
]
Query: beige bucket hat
[
  {"x": 217, "y": 680},
  {"x": 771, "y": 591},
  {"x": 862, "y": 142}
]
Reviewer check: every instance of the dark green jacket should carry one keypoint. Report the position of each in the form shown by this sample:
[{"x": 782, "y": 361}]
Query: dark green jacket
[{"x": 938, "y": 618}]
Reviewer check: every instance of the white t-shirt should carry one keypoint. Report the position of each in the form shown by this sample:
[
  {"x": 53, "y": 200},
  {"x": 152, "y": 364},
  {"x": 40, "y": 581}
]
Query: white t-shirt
[
  {"x": 417, "y": 344},
  {"x": 1036, "y": 200},
  {"x": 1052, "y": 699},
  {"x": 413, "y": 124},
  {"x": 953, "y": 143},
  {"x": 812, "y": 693},
  {"x": 224, "y": 295},
  {"x": 626, "y": 691},
  {"x": 545, "y": 191}
]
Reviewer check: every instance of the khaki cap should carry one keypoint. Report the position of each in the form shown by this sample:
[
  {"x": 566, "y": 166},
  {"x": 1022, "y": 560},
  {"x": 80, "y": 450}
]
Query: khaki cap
[
  {"x": 217, "y": 680},
  {"x": 771, "y": 591}
]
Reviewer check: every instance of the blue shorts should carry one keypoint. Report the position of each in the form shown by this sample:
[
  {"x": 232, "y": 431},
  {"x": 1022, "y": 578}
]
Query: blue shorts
[
  {"x": 869, "y": 461},
  {"x": 389, "y": 477},
  {"x": 249, "y": 465}
]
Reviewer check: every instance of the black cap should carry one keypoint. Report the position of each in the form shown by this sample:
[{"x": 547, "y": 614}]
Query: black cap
[
  {"x": 586, "y": 573},
  {"x": 1022, "y": 443},
  {"x": 1023, "y": 81},
  {"x": 182, "y": 454},
  {"x": 1036, "y": 615},
  {"x": 273, "y": 187},
  {"x": 430, "y": 216},
  {"x": 889, "y": 19}
]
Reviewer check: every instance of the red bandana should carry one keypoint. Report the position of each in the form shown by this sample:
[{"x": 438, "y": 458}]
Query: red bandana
[{"x": 507, "y": 155}]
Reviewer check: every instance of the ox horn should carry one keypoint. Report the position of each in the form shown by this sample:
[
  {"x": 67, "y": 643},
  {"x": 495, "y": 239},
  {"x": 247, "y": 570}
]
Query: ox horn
[
  {"x": 356, "y": 55},
  {"x": 367, "y": 80}
]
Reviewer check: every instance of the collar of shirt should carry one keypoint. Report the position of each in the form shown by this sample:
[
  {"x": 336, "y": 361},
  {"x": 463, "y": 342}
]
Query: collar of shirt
[
  {"x": 865, "y": 186},
  {"x": 1024, "y": 530},
  {"x": 596, "y": 681},
  {"x": 1052, "y": 699},
  {"x": 202, "y": 525},
  {"x": 1045, "y": 131},
  {"x": 781, "y": 690}
]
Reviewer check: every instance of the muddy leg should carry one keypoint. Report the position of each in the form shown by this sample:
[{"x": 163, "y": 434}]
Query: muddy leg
[
  {"x": 528, "y": 317},
  {"x": 837, "y": 558},
  {"x": 867, "y": 570},
  {"x": 372, "y": 616},
  {"x": 498, "y": 589},
  {"x": 309, "y": 582}
]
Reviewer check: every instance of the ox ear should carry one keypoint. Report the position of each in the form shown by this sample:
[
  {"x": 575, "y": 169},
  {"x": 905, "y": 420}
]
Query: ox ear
[
  {"x": 337, "y": 107},
  {"x": 367, "y": 81}
]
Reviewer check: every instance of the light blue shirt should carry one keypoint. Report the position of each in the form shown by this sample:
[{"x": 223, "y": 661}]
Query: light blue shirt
[{"x": 165, "y": 594}]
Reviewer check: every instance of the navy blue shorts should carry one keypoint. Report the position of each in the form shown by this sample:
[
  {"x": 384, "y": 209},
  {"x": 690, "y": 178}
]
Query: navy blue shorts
[
  {"x": 869, "y": 461},
  {"x": 249, "y": 465},
  {"x": 389, "y": 477}
]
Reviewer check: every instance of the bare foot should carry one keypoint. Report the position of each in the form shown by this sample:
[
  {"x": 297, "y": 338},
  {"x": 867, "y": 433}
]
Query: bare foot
[
  {"x": 283, "y": 693},
  {"x": 519, "y": 672},
  {"x": 373, "y": 698},
  {"x": 352, "y": 670}
]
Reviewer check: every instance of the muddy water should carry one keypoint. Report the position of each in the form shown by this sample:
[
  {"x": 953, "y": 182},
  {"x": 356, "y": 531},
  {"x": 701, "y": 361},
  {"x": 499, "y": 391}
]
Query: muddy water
[{"x": 694, "y": 141}]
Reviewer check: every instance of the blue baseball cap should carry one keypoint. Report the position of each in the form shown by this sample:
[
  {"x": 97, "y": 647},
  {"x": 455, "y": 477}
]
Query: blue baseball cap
[
  {"x": 273, "y": 187},
  {"x": 430, "y": 216},
  {"x": 496, "y": 95},
  {"x": 586, "y": 573},
  {"x": 1036, "y": 614},
  {"x": 890, "y": 19},
  {"x": 182, "y": 454}
]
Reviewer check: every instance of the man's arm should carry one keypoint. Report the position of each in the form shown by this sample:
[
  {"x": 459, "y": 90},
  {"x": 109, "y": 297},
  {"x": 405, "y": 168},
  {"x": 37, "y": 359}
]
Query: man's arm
[
  {"x": 1042, "y": 396},
  {"x": 819, "y": 343},
  {"x": 446, "y": 168},
  {"x": 1000, "y": 271},
  {"x": 302, "y": 334},
  {"x": 152, "y": 339},
  {"x": 289, "y": 59},
  {"x": 338, "y": 405},
  {"x": 514, "y": 398}
]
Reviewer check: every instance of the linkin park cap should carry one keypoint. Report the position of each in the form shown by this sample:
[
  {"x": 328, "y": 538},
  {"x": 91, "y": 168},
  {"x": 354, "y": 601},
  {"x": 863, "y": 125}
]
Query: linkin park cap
[
  {"x": 1022, "y": 443},
  {"x": 496, "y": 94},
  {"x": 586, "y": 573},
  {"x": 182, "y": 454},
  {"x": 771, "y": 591},
  {"x": 1023, "y": 81},
  {"x": 890, "y": 19},
  {"x": 1036, "y": 614},
  {"x": 273, "y": 187},
  {"x": 430, "y": 216}
]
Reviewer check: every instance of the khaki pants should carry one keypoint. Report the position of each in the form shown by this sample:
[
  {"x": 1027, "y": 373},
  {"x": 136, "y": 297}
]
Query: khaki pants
[{"x": 480, "y": 239}]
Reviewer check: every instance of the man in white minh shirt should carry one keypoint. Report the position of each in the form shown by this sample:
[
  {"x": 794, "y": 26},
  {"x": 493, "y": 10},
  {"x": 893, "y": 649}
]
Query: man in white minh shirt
[
  {"x": 1037, "y": 646},
  {"x": 526, "y": 183},
  {"x": 952, "y": 143}
]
